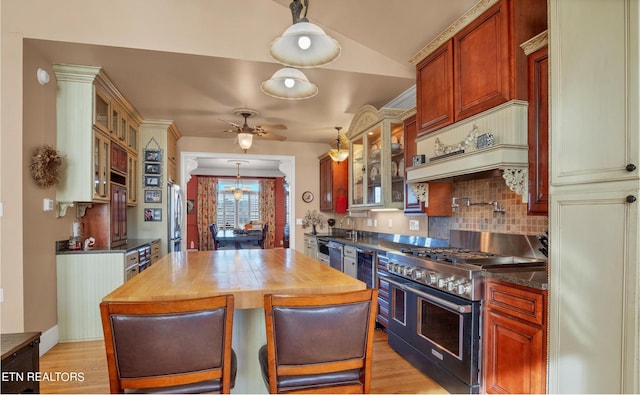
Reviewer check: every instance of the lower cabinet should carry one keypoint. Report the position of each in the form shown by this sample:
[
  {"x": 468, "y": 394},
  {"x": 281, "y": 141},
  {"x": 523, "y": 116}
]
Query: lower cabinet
[
  {"x": 82, "y": 281},
  {"x": 514, "y": 349},
  {"x": 311, "y": 246}
]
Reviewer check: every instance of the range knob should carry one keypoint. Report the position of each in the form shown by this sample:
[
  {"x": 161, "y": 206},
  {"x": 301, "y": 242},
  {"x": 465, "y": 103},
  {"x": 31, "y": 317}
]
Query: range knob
[
  {"x": 418, "y": 274},
  {"x": 407, "y": 271},
  {"x": 442, "y": 282},
  {"x": 432, "y": 278},
  {"x": 453, "y": 285},
  {"x": 390, "y": 266},
  {"x": 463, "y": 288}
]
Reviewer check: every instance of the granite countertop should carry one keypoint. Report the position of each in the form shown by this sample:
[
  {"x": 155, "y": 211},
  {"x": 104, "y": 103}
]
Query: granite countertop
[
  {"x": 393, "y": 243},
  {"x": 131, "y": 244}
]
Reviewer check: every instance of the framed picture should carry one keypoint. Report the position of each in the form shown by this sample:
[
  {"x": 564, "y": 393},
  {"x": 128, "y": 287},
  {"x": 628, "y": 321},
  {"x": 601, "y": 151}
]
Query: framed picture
[
  {"x": 152, "y": 156},
  {"x": 152, "y": 168},
  {"x": 151, "y": 181},
  {"x": 190, "y": 206},
  {"x": 152, "y": 196},
  {"x": 152, "y": 214}
]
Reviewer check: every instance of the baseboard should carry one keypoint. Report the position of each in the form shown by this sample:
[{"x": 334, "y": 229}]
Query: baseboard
[{"x": 48, "y": 339}]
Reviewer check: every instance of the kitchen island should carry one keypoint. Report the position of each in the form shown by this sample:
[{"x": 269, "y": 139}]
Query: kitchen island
[{"x": 248, "y": 275}]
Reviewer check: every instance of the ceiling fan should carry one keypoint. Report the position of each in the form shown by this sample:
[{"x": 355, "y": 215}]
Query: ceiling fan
[{"x": 258, "y": 130}]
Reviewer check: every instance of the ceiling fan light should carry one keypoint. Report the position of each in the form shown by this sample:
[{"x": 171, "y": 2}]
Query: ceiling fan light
[
  {"x": 289, "y": 49},
  {"x": 277, "y": 87},
  {"x": 245, "y": 140},
  {"x": 338, "y": 155}
]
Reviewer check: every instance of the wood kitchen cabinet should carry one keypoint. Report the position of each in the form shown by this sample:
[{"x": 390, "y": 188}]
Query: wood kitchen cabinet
[
  {"x": 515, "y": 332},
  {"x": 334, "y": 184},
  {"x": 480, "y": 66},
  {"x": 440, "y": 193},
  {"x": 118, "y": 214},
  {"x": 119, "y": 159},
  {"x": 434, "y": 85},
  {"x": 172, "y": 153},
  {"x": 132, "y": 179},
  {"x": 538, "y": 126}
]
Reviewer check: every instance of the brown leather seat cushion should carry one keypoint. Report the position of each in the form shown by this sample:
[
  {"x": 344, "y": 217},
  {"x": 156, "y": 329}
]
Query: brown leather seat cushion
[{"x": 311, "y": 380}]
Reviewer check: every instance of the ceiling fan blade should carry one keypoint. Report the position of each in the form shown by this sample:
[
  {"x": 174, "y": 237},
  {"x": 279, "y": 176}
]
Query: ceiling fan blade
[
  {"x": 270, "y": 136},
  {"x": 232, "y": 123},
  {"x": 272, "y": 127}
]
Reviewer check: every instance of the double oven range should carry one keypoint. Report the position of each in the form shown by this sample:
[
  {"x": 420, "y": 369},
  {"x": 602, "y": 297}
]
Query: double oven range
[{"x": 435, "y": 301}]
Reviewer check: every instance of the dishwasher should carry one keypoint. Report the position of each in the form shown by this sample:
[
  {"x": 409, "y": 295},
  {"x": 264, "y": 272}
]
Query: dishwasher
[
  {"x": 335, "y": 255},
  {"x": 349, "y": 262}
]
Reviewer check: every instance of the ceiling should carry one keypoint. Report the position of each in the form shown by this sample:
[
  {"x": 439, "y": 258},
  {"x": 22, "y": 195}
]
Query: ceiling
[{"x": 200, "y": 88}]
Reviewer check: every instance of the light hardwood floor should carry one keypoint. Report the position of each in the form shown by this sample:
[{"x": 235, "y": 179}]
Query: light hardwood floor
[{"x": 391, "y": 374}]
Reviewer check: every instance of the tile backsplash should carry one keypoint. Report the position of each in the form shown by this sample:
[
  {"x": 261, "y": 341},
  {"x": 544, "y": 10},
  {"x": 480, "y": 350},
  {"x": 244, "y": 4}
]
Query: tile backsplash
[{"x": 482, "y": 218}]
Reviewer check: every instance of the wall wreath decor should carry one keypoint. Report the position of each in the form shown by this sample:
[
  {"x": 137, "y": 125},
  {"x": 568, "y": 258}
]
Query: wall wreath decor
[{"x": 45, "y": 166}]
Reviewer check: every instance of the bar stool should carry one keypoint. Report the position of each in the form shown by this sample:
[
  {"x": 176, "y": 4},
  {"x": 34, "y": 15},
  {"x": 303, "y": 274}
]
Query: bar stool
[
  {"x": 178, "y": 346},
  {"x": 319, "y": 343}
]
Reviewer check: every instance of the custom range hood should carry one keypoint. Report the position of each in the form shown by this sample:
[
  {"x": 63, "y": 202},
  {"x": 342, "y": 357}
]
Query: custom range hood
[{"x": 495, "y": 139}]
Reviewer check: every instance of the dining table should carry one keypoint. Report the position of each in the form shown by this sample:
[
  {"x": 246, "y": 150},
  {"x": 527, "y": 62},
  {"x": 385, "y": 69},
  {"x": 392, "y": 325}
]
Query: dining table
[
  {"x": 237, "y": 237},
  {"x": 248, "y": 275}
]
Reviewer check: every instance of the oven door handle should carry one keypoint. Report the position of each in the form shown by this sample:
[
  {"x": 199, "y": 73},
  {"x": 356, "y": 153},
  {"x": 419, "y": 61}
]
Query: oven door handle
[
  {"x": 444, "y": 303},
  {"x": 397, "y": 284}
]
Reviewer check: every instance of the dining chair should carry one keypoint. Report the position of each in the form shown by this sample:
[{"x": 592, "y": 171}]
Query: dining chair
[
  {"x": 177, "y": 346},
  {"x": 213, "y": 228},
  {"x": 319, "y": 343},
  {"x": 265, "y": 227}
]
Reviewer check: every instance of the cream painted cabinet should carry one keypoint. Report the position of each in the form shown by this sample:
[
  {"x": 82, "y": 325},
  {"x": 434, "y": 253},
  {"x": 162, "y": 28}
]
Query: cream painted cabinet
[
  {"x": 376, "y": 159},
  {"x": 91, "y": 114},
  {"x": 594, "y": 320}
]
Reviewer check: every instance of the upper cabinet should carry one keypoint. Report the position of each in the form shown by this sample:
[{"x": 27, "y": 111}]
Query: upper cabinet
[
  {"x": 478, "y": 67},
  {"x": 376, "y": 159},
  {"x": 538, "y": 124},
  {"x": 93, "y": 132},
  {"x": 334, "y": 185},
  {"x": 439, "y": 194},
  {"x": 173, "y": 134}
]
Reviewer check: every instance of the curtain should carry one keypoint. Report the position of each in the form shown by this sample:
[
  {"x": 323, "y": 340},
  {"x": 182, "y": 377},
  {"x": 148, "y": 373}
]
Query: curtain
[
  {"x": 268, "y": 209},
  {"x": 207, "y": 210}
]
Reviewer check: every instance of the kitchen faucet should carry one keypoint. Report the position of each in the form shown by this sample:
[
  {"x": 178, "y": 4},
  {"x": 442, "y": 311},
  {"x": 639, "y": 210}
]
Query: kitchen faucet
[{"x": 354, "y": 234}]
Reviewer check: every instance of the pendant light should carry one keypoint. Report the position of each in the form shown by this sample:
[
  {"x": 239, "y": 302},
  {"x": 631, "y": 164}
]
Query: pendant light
[
  {"x": 336, "y": 154},
  {"x": 290, "y": 84},
  {"x": 304, "y": 44},
  {"x": 238, "y": 190}
]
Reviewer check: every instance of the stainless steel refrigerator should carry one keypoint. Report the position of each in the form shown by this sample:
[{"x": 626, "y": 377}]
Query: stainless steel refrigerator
[{"x": 175, "y": 198}]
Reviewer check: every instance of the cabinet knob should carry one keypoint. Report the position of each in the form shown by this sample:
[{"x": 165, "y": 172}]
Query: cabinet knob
[
  {"x": 630, "y": 167},
  {"x": 631, "y": 199}
]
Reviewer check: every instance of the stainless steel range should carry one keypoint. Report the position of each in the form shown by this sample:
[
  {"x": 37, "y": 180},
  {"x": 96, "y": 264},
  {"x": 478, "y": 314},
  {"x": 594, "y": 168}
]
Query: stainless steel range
[{"x": 436, "y": 300}]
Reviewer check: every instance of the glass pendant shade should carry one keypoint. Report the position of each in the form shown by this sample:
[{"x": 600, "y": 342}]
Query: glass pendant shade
[
  {"x": 338, "y": 155},
  {"x": 289, "y": 83},
  {"x": 237, "y": 193},
  {"x": 245, "y": 140},
  {"x": 304, "y": 44}
]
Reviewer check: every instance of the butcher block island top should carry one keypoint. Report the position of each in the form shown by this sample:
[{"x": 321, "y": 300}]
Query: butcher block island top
[{"x": 247, "y": 274}]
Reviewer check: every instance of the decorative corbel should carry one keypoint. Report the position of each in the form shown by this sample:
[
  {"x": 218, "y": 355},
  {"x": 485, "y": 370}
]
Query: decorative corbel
[
  {"x": 191, "y": 163},
  {"x": 421, "y": 191},
  {"x": 518, "y": 181}
]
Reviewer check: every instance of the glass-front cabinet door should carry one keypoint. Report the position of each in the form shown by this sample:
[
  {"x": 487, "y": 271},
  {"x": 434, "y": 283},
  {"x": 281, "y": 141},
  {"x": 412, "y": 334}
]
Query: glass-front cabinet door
[
  {"x": 376, "y": 159},
  {"x": 358, "y": 171}
]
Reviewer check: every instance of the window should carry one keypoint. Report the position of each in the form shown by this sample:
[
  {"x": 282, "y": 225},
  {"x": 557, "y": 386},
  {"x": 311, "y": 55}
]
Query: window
[{"x": 234, "y": 214}]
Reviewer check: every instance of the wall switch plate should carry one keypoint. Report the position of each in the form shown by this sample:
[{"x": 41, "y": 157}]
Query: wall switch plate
[
  {"x": 298, "y": 221},
  {"x": 390, "y": 223},
  {"x": 375, "y": 223},
  {"x": 47, "y": 204},
  {"x": 414, "y": 224},
  {"x": 369, "y": 222},
  {"x": 1, "y": 295}
]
